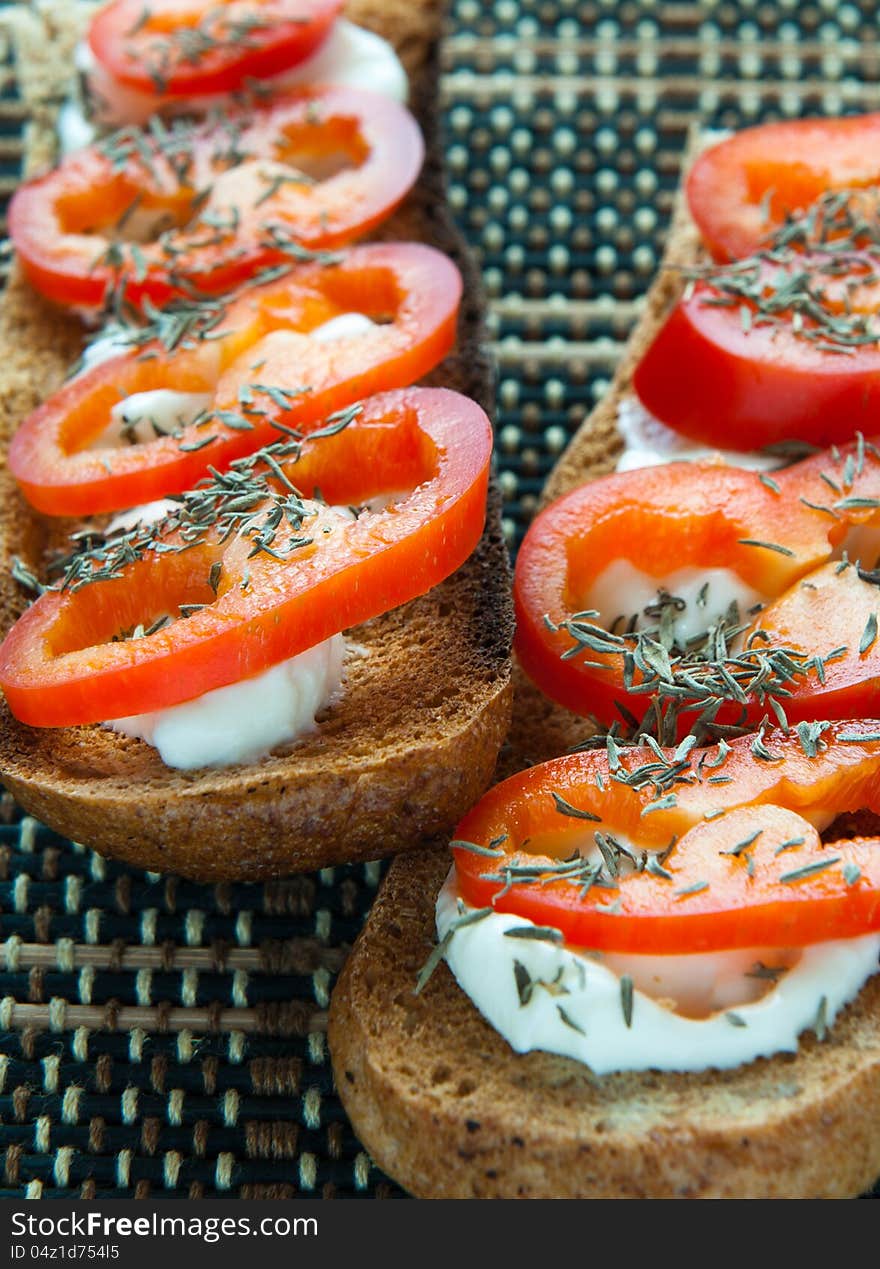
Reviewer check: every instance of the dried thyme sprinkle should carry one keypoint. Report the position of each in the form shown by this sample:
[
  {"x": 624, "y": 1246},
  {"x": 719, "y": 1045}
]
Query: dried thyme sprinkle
[
  {"x": 735, "y": 1019},
  {"x": 818, "y": 506},
  {"x": 684, "y": 748},
  {"x": 436, "y": 956},
  {"x": 869, "y": 634},
  {"x": 810, "y": 737},
  {"x": 789, "y": 845},
  {"x": 276, "y": 181},
  {"x": 565, "y": 808},
  {"x": 523, "y": 980},
  {"x": 439, "y": 949},
  {"x": 215, "y": 31},
  {"x": 543, "y": 933},
  {"x": 781, "y": 716},
  {"x": 871, "y": 576},
  {"x": 767, "y": 546},
  {"x": 809, "y": 870},
  {"x": 656, "y": 869},
  {"x": 696, "y": 678},
  {"x": 577, "y": 871},
  {"x": 181, "y": 322},
  {"x": 660, "y": 804},
  {"x": 768, "y": 973},
  {"x": 854, "y": 503},
  {"x": 252, "y": 499},
  {"x": 738, "y": 849},
  {"x": 474, "y": 848},
  {"x": 760, "y": 750},
  {"x": 723, "y": 751},
  {"x": 697, "y": 888},
  {"x": 191, "y": 447},
  {"x": 278, "y": 237},
  {"x": 569, "y": 1021},
  {"x": 851, "y": 873},
  {"x": 626, "y": 999},
  {"x": 25, "y": 578},
  {"x": 526, "y": 985}
]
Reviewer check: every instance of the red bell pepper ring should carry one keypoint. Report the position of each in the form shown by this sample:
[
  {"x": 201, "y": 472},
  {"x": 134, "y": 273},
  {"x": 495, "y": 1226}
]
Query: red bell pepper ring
[
  {"x": 263, "y": 370},
  {"x": 218, "y": 201},
  {"x": 267, "y": 580},
  {"x": 187, "y": 48},
  {"x": 812, "y": 650},
  {"x": 742, "y": 189},
  {"x": 667, "y": 852},
  {"x": 720, "y": 373}
]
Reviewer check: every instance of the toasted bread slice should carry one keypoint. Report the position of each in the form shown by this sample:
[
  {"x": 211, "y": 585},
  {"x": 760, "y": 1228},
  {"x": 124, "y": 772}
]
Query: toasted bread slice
[
  {"x": 449, "y": 1110},
  {"x": 415, "y": 737}
]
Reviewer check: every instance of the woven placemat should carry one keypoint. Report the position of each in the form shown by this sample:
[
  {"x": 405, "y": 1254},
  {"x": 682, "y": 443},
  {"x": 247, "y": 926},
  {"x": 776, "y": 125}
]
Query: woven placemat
[{"x": 163, "y": 1038}]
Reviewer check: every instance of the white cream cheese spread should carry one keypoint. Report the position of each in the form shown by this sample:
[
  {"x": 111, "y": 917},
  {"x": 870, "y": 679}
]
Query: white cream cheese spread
[
  {"x": 704, "y": 595},
  {"x": 148, "y": 513},
  {"x": 345, "y": 326},
  {"x": 354, "y": 57},
  {"x": 143, "y": 416},
  {"x": 650, "y": 443},
  {"x": 685, "y": 1013},
  {"x": 112, "y": 342},
  {"x": 246, "y": 720}
]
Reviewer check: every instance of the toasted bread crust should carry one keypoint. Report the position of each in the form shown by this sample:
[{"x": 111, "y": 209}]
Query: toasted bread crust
[
  {"x": 449, "y": 1110},
  {"x": 414, "y": 740}
]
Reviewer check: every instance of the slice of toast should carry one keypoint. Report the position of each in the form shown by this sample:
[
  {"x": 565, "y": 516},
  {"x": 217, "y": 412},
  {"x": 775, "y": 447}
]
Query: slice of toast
[
  {"x": 447, "y": 1108},
  {"x": 413, "y": 741}
]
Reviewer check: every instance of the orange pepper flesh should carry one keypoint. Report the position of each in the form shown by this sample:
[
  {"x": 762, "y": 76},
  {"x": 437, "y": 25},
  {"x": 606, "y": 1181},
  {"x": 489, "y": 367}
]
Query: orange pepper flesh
[
  {"x": 794, "y": 206},
  {"x": 711, "y": 378}
]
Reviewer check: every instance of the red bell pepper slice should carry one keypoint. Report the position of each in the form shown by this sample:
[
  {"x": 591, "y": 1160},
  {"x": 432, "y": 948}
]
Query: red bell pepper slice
[
  {"x": 742, "y": 189},
  {"x": 153, "y": 213},
  {"x": 729, "y": 375},
  {"x": 256, "y": 576},
  {"x": 260, "y": 366},
  {"x": 669, "y": 853},
  {"x": 188, "y": 48},
  {"x": 812, "y": 650}
]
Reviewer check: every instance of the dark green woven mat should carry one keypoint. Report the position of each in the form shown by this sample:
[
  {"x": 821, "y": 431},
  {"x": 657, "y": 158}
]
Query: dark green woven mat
[{"x": 158, "y": 1037}]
